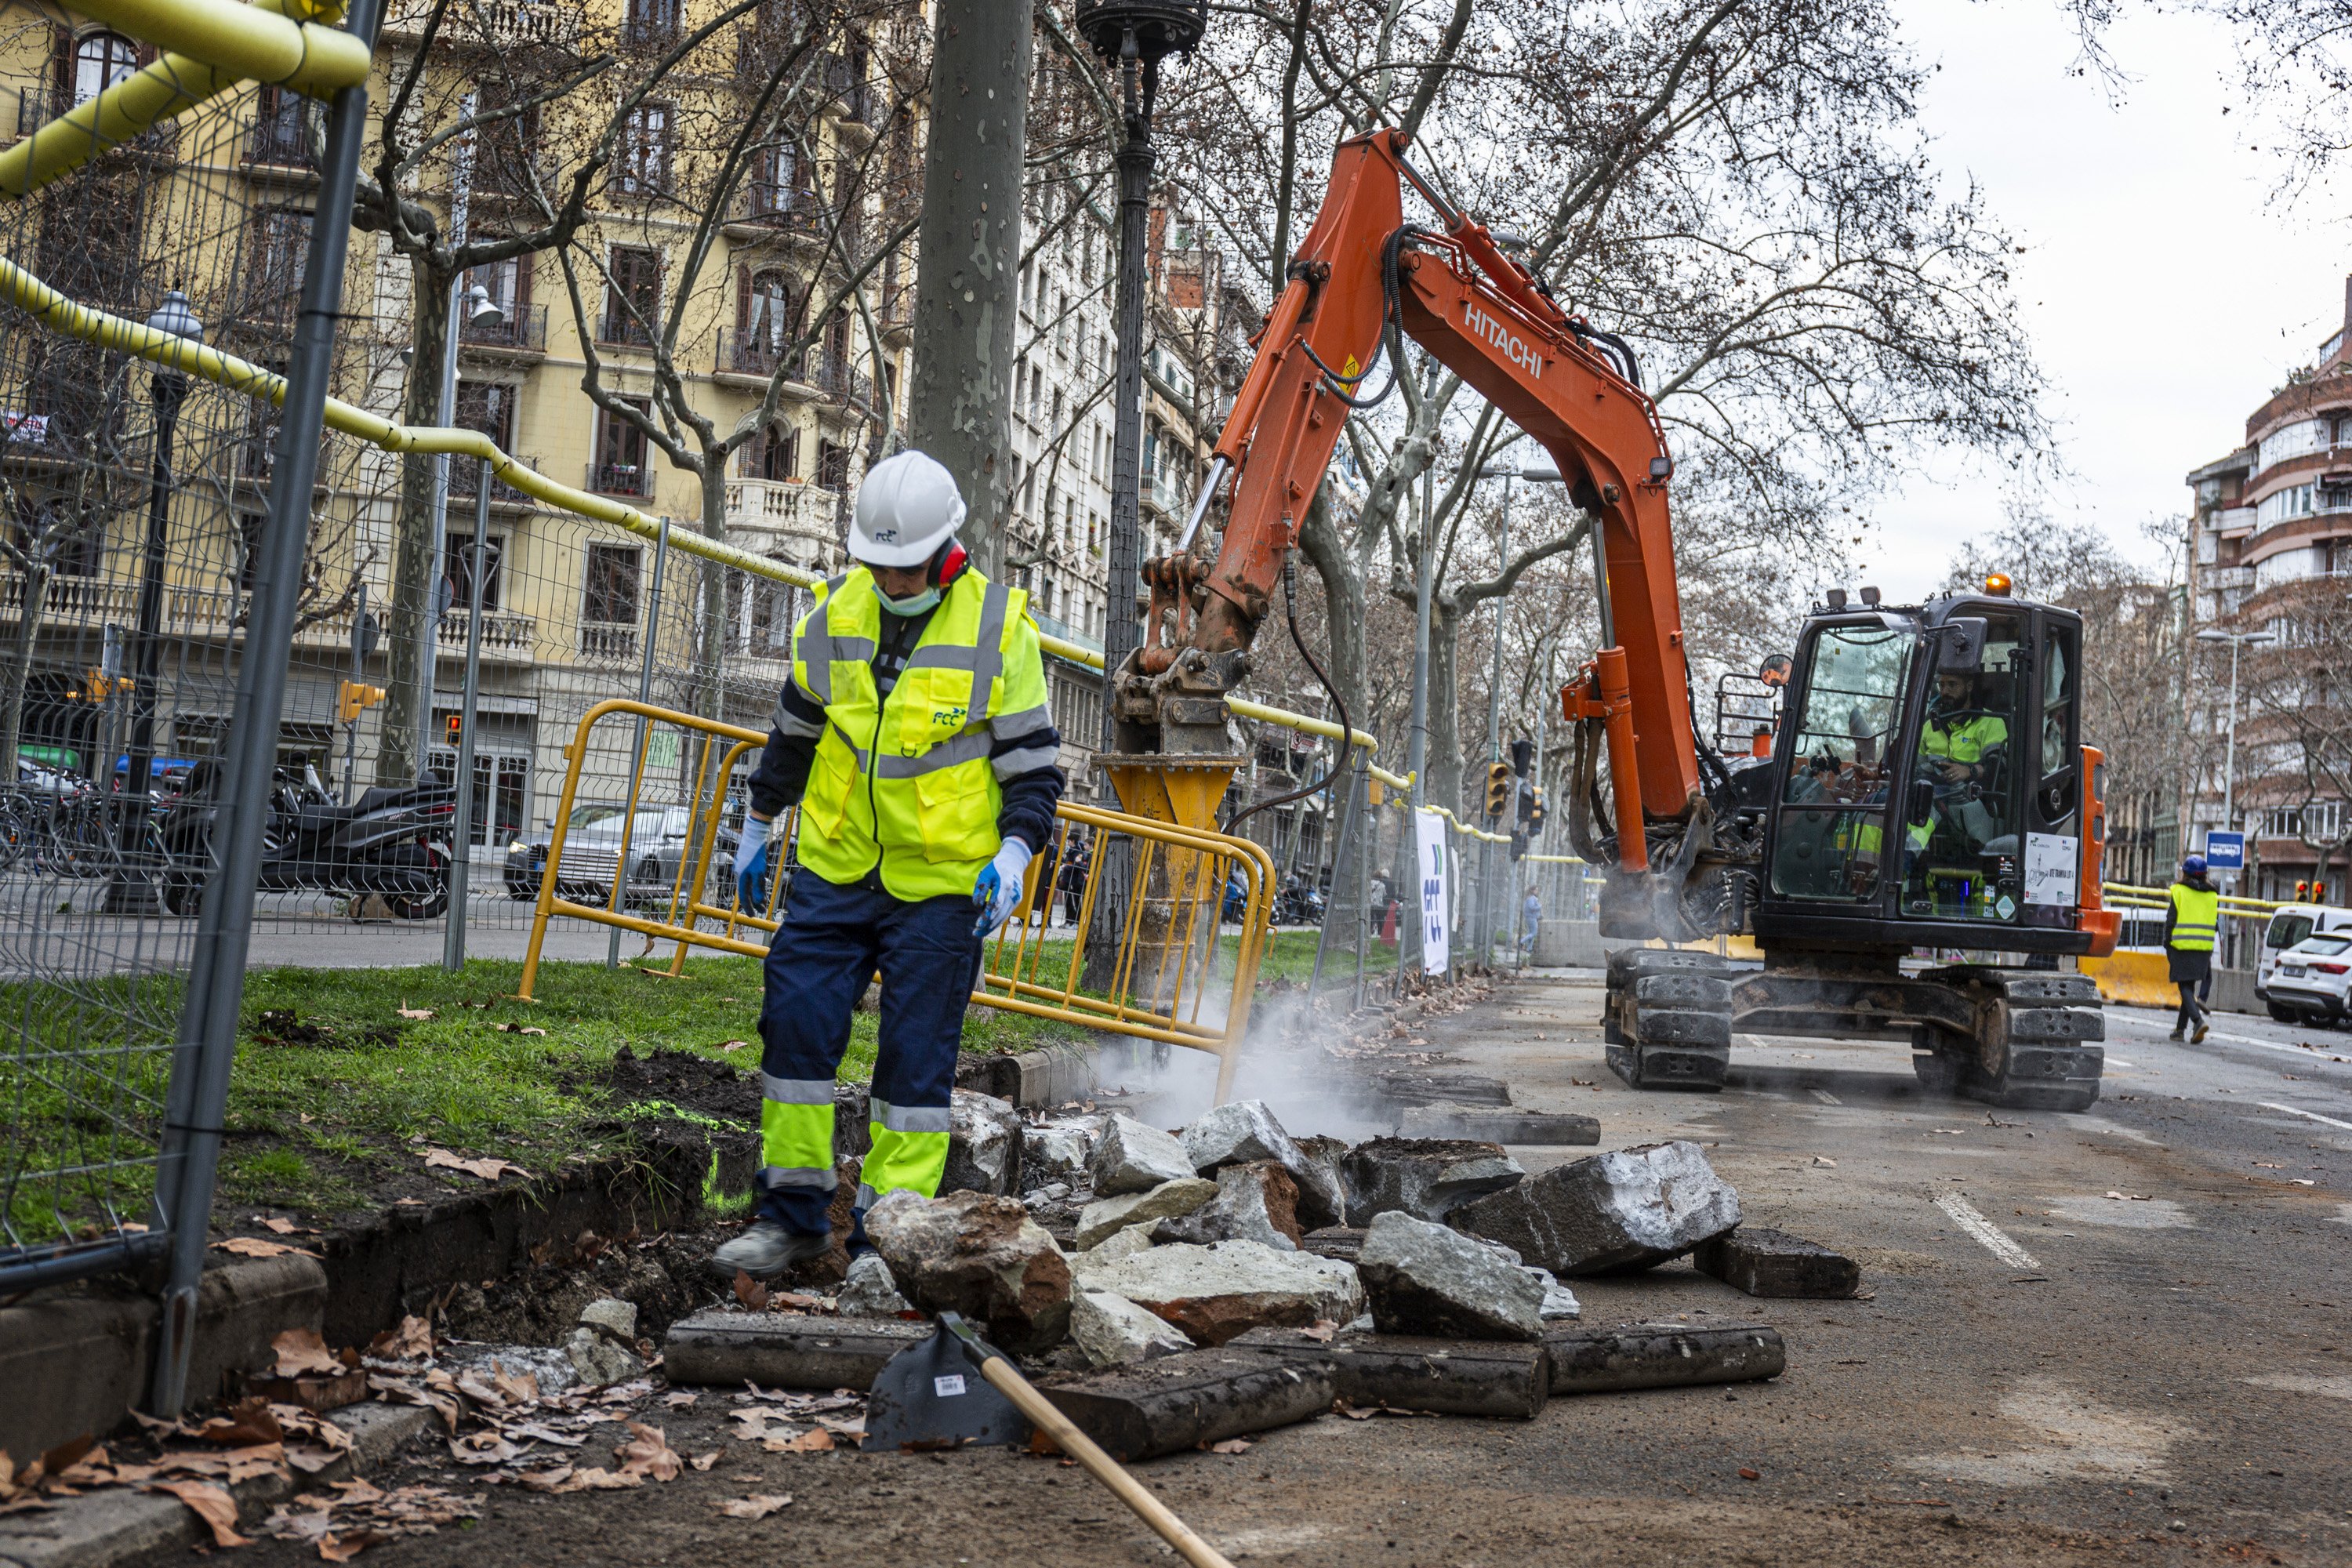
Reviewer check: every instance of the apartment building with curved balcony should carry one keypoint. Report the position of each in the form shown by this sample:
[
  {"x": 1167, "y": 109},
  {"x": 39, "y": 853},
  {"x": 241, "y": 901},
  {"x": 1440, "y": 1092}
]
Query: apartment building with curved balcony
[{"x": 2271, "y": 551}]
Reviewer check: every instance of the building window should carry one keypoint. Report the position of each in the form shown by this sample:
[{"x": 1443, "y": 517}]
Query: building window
[
  {"x": 100, "y": 60},
  {"x": 281, "y": 128},
  {"x": 277, "y": 240},
  {"x": 774, "y": 454},
  {"x": 612, "y": 590},
  {"x": 487, "y": 407},
  {"x": 643, "y": 164},
  {"x": 651, "y": 21},
  {"x": 621, "y": 467},
  {"x": 457, "y": 569},
  {"x": 633, "y": 298},
  {"x": 832, "y": 466}
]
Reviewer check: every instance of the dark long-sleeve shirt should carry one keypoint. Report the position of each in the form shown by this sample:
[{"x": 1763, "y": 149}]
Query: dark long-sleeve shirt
[{"x": 1022, "y": 753}]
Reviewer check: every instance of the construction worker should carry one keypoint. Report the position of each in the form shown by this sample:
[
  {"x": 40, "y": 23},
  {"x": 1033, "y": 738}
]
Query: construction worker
[
  {"x": 915, "y": 737},
  {"x": 2192, "y": 916}
]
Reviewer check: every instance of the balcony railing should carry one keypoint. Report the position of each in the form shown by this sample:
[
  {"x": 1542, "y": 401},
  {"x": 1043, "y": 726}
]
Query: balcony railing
[
  {"x": 778, "y": 207},
  {"x": 281, "y": 139},
  {"x": 1160, "y": 490},
  {"x": 845, "y": 84},
  {"x": 37, "y": 106},
  {"x": 502, "y": 21},
  {"x": 780, "y": 506},
  {"x": 465, "y": 473},
  {"x": 650, "y": 24},
  {"x": 621, "y": 478},
  {"x": 620, "y": 330},
  {"x": 69, "y": 602},
  {"x": 755, "y": 353},
  {"x": 838, "y": 378},
  {"x": 608, "y": 644},
  {"x": 501, "y": 631},
  {"x": 524, "y": 328}
]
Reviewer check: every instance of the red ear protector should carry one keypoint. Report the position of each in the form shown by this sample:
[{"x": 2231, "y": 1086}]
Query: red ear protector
[{"x": 948, "y": 564}]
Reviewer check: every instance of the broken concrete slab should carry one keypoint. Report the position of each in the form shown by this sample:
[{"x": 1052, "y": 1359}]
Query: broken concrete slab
[
  {"x": 1187, "y": 1401},
  {"x": 1416, "y": 1088},
  {"x": 1246, "y": 1131},
  {"x": 1414, "y": 1371},
  {"x": 1133, "y": 1158},
  {"x": 1098, "y": 1221},
  {"x": 1114, "y": 1331},
  {"x": 1215, "y": 1293},
  {"x": 1560, "y": 1303},
  {"x": 603, "y": 1349},
  {"x": 1427, "y": 1178},
  {"x": 1519, "y": 1126},
  {"x": 984, "y": 1143},
  {"x": 1661, "y": 1355},
  {"x": 1058, "y": 1150},
  {"x": 1255, "y": 1202},
  {"x": 1118, "y": 1244},
  {"x": 978, "y": 1255},
  {"x": 1422, "y": 1278},
  {"x": 779, "y": 1349},
  {"x": 1764, "y": 1262},
  {"x": 1325, "y": 1181},
  {"x": 868, "y": 1291},
  {"x": 1627, "y": 1209}
]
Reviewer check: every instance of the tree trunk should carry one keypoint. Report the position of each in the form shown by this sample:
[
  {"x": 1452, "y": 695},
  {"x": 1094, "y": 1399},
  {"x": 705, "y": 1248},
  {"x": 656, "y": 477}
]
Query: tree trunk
[
  {"x": 960, "y": 395},
  {"x": 1445, "y": 762},
  {"x": 19, "y": 669},
  {"x": 1343, "y": 600},
  {"x": 415, "y": 575}
]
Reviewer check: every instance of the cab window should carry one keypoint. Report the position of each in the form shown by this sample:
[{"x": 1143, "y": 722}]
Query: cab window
[
  {"x": 1961, "y": 846},
  {"x": 1832, "y": 845}
]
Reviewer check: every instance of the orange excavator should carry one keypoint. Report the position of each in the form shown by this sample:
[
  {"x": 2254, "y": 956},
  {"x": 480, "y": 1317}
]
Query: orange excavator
[{"x": 1926, "y": 792}]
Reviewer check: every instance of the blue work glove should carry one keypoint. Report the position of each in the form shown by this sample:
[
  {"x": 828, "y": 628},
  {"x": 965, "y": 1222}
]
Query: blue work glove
[
  {"x": 997, "y": 893},
  {"x": 751, "y": 865}
]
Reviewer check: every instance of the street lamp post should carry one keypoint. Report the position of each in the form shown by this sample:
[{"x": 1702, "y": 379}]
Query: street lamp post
[
  {"x": 131, "y": 890},
  {"x": 1540, "y": 474},
  {"x": 2229, "y": 745}
]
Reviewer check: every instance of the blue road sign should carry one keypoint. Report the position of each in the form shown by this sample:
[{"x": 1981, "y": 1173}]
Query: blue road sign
[{"x": 2225, "y": 851}]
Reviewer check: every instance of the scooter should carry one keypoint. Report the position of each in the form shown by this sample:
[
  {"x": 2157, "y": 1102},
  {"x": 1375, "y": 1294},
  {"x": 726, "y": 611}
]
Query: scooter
[
  {"x": 1299, "y": 904},
  {"x": 394, "y": 842}
]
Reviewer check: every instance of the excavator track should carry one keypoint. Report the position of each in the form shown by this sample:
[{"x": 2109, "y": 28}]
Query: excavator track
[
  {"x": 1666, "y": 1018},
  {"x": 2037, "y": 1044}
]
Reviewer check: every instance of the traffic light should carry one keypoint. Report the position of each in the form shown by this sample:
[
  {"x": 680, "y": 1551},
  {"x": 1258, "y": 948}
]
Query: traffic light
[
  {"x": 1519, "y": 842},
  {"x": 1535, "y": 812},
  {"x": 1499, "y": 788},
  {"x": 353, "y": 697},
  {"x": 454, "y": 729},
  {"x": 98, "y": 686}
]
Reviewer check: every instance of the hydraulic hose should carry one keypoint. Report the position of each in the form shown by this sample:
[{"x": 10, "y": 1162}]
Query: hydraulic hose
[{"x": 1347, "y": 729}]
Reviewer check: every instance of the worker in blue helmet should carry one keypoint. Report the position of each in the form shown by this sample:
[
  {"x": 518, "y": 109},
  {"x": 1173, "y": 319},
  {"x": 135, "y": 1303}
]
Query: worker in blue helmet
[{"x": 2192, "y": 917}]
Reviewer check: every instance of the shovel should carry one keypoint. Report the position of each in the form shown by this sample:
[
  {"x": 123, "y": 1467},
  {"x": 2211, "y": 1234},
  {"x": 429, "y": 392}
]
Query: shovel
[{"x": 927, "y": 1397}]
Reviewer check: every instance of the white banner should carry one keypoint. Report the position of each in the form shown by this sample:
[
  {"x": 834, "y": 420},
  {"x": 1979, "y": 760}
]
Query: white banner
[{"x": 1429, "y": 841}]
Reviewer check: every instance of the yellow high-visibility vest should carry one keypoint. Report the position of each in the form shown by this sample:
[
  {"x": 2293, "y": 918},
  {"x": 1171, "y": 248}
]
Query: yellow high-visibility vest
[
  {"x": 907, "y": 778},
  {"x": 2196, "y": 917}
]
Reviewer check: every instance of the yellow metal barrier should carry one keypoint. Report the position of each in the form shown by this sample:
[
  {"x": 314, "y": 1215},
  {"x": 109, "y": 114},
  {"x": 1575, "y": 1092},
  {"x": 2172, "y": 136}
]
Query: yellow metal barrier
[
  {"x": 2124, "y": 896},
  {"x": 1164, "y": 980},
  {"x": 2141, "y": 979}
]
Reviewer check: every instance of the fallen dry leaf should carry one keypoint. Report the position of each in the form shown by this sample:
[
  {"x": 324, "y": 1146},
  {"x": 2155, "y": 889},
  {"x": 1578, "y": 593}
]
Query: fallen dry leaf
[
  {"x": 301, "y": 1351},
  {"x": 412, "y": 1340},
  {"x": 758, "y": 1505},
  {"x": 211, "y": 1504},
  {"x": 408, "y": 1012},
  {"x": 254, "y": 1247},
  {"x": 1322, "y": 1332},
  {"x": 545, "y": 1481},
  {"x": 680, "y": 1400},
  {"x": 734, "y": 1045},
  {"x": 648, "y": 1453},
  {"x": 287, "y": 1226},
  {"x": 490, "y": 1170},
  {"x": 704, "y": 1461},
  {"x": 482, "y": 1449},
  {"x": 342, "y": 1547},
  {"x": 815, "y": 1440},
  {"x": 247, "y": 1423},
  {"x": 750, "y": 1292},
  {"x": 520, "y": 1029},
  {"x": 1231, "y": 1445},
  {"x": 1825, "y": 1159},
  {"x": 1747, "y": 1475}
]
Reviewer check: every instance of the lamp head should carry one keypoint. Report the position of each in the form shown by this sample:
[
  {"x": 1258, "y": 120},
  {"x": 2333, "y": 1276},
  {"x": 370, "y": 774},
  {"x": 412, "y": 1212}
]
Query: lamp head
[
  {"x": 175, "y": 316},
  {"x": 481, "y": 311}
]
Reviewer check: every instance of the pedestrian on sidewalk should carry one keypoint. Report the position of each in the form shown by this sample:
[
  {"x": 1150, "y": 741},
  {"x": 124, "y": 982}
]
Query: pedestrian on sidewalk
[
  {"x": 2192, "y": 916},
  {"x": 915, "y": 737},
  {"x": 1530, "y": 917}
]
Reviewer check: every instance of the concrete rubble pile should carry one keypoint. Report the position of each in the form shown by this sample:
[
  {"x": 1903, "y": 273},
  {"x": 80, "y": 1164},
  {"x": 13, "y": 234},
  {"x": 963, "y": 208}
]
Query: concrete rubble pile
[{"x": 1174, "y": 1288}]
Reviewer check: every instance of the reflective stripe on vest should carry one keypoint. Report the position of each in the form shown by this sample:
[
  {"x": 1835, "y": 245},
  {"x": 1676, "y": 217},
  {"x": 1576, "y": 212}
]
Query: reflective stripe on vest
[
  {"x": 2196, "y": 917},
  {"x": 905, "y": 778}
]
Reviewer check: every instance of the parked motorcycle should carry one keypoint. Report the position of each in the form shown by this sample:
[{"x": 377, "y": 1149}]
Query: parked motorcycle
[
  {"x": 394, "y": 842},
  {"x": 1300, "y": 903}
]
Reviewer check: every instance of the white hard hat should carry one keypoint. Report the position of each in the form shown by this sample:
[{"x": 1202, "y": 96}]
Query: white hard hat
[{"x": 907, "y": 507}]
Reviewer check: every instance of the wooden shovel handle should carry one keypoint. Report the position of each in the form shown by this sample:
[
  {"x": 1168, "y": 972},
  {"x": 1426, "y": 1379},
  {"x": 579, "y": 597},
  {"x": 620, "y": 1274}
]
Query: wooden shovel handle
[{"x": 1000, "y": 1372}]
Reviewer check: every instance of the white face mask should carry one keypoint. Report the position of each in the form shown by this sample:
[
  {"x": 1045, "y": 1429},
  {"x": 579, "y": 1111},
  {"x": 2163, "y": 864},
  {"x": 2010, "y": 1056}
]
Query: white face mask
[{"x": 909, "y": 607}]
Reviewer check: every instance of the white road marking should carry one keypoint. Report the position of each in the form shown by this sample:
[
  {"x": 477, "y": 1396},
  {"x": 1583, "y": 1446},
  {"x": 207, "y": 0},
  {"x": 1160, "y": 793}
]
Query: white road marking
[
  {"x": 1826, "y": 1097},
  {"x": 2308, "y": 1053},
  {"x": 2290, "y": 1111},
  {"x": 1996, "y": 1241}
]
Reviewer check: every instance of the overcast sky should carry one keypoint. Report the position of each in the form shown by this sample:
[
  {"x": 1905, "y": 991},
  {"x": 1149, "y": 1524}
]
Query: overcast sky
[{"x": 2164, "y": 292}]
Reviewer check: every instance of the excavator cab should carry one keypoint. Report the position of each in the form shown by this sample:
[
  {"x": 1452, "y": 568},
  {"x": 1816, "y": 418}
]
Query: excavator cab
[{"x": 1927, "y": 781}]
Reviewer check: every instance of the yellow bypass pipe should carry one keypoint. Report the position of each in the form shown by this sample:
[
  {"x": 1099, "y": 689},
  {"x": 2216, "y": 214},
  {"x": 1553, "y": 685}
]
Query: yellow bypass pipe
[
  {"x": 162, "y": 90},
  {"x": 60, "y": 314},
  {"x": 247, "y": 41}
]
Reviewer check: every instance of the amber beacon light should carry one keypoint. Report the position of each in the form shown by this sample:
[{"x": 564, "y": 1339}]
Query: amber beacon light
[{"x": 1996, "y": 584}]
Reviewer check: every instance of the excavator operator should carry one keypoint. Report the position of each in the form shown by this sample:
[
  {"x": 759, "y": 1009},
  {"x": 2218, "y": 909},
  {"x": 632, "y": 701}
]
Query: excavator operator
[{"x": 1959, "y": 732}]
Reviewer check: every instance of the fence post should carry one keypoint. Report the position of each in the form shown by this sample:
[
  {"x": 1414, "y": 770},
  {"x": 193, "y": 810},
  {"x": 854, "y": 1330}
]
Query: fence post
[
  {"x": 1345, "y": 874},
  {"x": 198, "y": 1097},
  {"x": 461, "y": 852},
  {"x": 644, "y": 695}
]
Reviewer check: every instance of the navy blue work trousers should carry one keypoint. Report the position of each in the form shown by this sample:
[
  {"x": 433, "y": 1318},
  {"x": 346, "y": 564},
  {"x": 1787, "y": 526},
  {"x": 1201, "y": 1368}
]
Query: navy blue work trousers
[{"x": 831, "y": 941}]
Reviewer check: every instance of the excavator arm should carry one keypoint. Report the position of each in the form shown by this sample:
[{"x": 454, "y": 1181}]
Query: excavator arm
[{"x": 1487, "y": 318}]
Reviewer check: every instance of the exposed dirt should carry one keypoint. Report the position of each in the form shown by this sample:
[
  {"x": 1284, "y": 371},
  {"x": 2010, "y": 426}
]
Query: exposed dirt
[
  {"x": 666, "y": 1277},
  {"x": 689, "y": 1083}
]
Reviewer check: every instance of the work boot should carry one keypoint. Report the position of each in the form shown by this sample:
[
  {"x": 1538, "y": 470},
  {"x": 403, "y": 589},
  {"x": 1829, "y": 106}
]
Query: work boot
[
  {"x": 768, "y": 1248},
  {"x": 2176, "y": 1035},
  {"x": 2203, "y": 1030}
]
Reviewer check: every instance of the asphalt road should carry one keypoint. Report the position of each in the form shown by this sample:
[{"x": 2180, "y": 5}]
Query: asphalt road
[{"x": 2115, "y": 1337}]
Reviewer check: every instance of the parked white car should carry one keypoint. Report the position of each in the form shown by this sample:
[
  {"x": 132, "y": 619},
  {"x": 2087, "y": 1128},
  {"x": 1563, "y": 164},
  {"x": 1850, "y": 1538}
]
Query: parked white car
[
  {"x": 2313, "y": 980},
  {"x": 2290, "y": 924}
]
